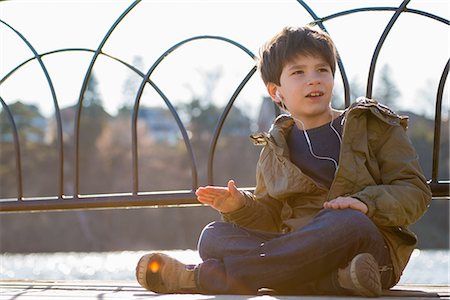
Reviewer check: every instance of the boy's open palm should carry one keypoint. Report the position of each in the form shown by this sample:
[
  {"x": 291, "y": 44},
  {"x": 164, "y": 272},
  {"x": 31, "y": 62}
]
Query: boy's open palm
[{"x": 222, "y": 199}]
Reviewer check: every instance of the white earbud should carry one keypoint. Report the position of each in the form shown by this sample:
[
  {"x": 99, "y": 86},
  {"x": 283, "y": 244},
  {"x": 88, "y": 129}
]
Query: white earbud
[{"x": 277, "y": 94}]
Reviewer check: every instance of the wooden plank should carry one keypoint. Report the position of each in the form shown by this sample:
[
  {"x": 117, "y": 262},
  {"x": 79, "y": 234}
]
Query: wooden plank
[{"x": 110, "y": 290}]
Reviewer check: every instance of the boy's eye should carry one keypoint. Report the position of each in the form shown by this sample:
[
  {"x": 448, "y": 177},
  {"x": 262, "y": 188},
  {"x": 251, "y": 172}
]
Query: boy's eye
[
  {"x": 323, "y": 70},
  {"x": 297, "y": 72}
]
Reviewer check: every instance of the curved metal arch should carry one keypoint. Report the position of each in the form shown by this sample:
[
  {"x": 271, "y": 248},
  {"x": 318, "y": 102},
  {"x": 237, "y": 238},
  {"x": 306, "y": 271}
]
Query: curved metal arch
[
  {"x": 427, "y": 14},
  {"x": 437, "y": 124},
  {"x": 55, "y": 103},
  {"x": 162, "y": 95},
  {"x": 139, "y": 95},
  {"x": 339, "y": 61},
  {"x": 218, "y": 129},
  {"x": 398, "y": 10},
  {"x": 10, "y": 73},
  {"x": 16, "y": 150},
  {"x": 357, "y": 10},
  {"x": 70, "y": 50},
  {"x": 380, "y": 43},
  {"x": 83, "y": 90},
  {"x": 384, "y": 9}
]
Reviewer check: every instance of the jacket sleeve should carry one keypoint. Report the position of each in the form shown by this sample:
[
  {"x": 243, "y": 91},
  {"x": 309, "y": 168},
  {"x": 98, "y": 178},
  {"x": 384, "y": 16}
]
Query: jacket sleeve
[
  {"x": 260, "y": 211},
  {"x": 404, "y": 195}
]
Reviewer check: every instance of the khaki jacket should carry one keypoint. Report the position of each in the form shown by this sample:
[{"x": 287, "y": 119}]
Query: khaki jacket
[{"x": 377, "y": 164}]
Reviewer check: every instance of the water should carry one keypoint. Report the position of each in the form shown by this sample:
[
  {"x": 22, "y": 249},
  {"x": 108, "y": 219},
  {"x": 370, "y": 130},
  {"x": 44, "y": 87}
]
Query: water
[{"x": 425, "y": 267}]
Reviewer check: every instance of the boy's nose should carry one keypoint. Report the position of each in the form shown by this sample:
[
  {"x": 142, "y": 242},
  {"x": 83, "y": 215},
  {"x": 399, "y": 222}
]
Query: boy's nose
[{"x": 313, "y": 79}]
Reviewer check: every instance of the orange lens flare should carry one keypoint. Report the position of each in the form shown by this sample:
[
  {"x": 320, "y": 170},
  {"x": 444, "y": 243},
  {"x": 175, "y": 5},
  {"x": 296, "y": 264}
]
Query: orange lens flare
[{"x": 154, "y": 266}]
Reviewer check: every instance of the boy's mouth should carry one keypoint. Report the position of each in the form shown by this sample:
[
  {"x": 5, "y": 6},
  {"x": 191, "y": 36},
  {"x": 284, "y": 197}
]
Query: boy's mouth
[{"x": 315, "y": 94}]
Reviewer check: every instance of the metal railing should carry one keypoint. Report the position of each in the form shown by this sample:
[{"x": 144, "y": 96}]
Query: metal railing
[{"x": 439, "y": 188}]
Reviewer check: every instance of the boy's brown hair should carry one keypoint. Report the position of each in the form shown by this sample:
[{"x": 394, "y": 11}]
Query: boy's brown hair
[{"x": 288, "y": 44}]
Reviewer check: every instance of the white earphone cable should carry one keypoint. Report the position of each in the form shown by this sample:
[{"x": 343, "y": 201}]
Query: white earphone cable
[{"x": 308, "y": 141}]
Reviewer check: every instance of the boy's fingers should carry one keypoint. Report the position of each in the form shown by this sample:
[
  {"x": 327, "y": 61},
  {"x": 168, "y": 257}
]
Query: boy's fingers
[
  {"x": 345, "y": 205},
  {"x": 211, "y": 192},
  {"x": 213, "y": 188},
  {"x": 213, "y": 196},
  {"x": 204, "y": 200},
  {"x": 206, "y": 197},
  {"x": 337, "y": 204},
  {"x": 342, "y": 203}
]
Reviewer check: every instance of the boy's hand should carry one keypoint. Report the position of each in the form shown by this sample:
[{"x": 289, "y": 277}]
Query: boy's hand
[
  {"x": 346, "y": 202},
  {"x": 222, "y": 199}
]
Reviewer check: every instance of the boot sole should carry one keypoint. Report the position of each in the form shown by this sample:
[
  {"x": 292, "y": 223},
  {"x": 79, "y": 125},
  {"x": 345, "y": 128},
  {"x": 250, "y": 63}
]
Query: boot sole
[
  {"x": 150, "y": 280},
  {"x": 365, "y": 275}
]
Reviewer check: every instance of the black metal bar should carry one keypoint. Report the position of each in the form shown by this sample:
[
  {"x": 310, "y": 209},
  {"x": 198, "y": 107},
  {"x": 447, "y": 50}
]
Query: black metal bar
[
  {"x": 218, "y": 129},
  {"x": 156, "y": 199},
  {"x": 440, "y": 189},
  {"x": 437, "y": 124},
  {"x": 345, "y": 83},
  {"x": 55, "y": 103},
  {"x": 83, "y": 90},
  {"x": 380, "y": 43},
  {"x": 16, "y": 150},
  {"x": 102, "y": 201}
]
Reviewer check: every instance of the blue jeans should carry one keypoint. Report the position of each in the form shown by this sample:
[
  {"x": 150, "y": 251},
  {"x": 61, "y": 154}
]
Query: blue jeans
[{"x": 237, "y": 260}]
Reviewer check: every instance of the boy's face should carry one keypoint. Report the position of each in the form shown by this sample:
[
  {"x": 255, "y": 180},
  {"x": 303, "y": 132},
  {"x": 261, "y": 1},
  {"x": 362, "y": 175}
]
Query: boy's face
[{"x": 306, "y": 86}]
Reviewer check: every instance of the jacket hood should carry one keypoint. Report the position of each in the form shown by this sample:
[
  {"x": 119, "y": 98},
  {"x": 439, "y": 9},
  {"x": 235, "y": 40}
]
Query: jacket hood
[{"x": 379, "y": 110}]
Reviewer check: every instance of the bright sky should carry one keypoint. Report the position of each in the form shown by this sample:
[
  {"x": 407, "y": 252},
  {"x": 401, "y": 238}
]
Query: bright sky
[{"x": 417, "y": 48}]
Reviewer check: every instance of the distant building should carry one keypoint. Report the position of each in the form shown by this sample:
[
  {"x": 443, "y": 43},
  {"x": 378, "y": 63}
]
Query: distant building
[
  {"x": 68, "y": 121},
  {"x": 160, "y": 124},
  {"x": 30, "y": 124}
]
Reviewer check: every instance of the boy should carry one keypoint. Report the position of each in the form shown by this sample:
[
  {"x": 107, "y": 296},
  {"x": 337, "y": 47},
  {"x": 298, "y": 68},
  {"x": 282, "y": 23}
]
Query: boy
[{"x": 334, "y": 195}]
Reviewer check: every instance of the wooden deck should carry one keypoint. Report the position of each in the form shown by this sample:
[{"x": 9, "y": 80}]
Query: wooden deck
[{"x": 130, "y": 290}]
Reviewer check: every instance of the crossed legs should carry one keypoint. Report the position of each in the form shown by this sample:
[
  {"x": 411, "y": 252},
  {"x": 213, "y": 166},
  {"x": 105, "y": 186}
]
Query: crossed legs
[{"x": 240, "y": 260}]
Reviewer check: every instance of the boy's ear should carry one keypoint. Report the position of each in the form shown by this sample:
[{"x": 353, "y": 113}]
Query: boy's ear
[{"x": 272, "y": 89}]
